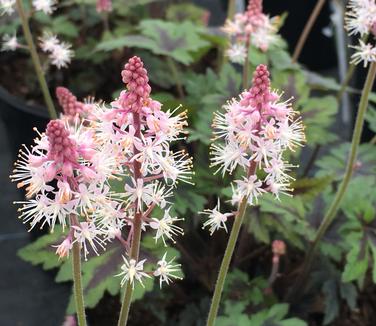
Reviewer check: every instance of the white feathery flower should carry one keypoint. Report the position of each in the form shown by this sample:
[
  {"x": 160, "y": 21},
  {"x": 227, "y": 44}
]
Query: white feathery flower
[
  {"x": 88, "y": 233},
  {"x": 47, "y": 6},
  {"x": 48, "y": 42},
  {"x": 131, "y": 271},
  {"x": 365, "y": 53},
  {"x": 166, "y": 270},
  {"x": 7, "y": 7},
  {"x": 165, "y": 227},
  {"x": 216, "y": 219},
  {"x": 9, "y": 43},
  {"x": 61, "y": 55},
  {"x": 228, "y": 157},
  {"x": 360, "y": 16},
  {"x": 248, "y": 187},
  {"x": 237, "y": 53}
]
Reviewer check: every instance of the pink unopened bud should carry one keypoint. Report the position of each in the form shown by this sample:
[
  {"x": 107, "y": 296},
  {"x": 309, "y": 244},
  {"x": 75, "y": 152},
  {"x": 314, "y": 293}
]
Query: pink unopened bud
[
  {"x": 259, "y": 94},
  {"x": 69, "y": 103},
  {"x": 135, "y": 77},
  {"x": 104, "y": 6},
  {"x": 62, "y": 149},
  {"x": 279, "y": 247},
  {"x": 373, "y": 28},
  {"x": 254, "y": 7},
  {"x": 254, "y": 14},
  {"x": 63, "y": 249}
]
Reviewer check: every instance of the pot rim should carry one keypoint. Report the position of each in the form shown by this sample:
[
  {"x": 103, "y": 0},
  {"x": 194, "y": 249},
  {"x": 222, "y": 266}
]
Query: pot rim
[{"x": 21, "y": 105}]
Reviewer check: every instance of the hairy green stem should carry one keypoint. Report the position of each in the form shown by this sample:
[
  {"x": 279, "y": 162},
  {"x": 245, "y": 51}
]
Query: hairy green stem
[
  {"x": 223, "y": 270},
  {"x": 136, "y": 238},
  {"x": 333, "y": 209},
  {"x": 231, "y": 9},
  {"x": 307, "y": 29},
  {"x": 77, "y": 284},
  {"x": 36, "y": 61},
  {"x": 226, "y": 263},
  {"x": 246, "y": 64}
]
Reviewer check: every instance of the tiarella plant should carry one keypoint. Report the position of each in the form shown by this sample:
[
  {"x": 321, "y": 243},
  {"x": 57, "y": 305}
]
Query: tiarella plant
[
  {"x": 139, "y": 135},
  {"x": 67, "y": 175},
  {"x": 252, "y": 134},
  {"x": 103, "y": 176}
]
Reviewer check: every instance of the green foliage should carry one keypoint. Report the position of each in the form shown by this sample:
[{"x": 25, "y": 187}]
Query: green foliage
[
  {"x": 275, "y": 315},
  {"x": 186, "y": 11},
  {"x": 178, "y": 41},
  {"x": 208, "y": 93},
  {"x": 287, "y": 217},
  {"x": 318, "y": 115},
  {"x": 334, "y": 164},
  {"x": 42, "y": 251}
]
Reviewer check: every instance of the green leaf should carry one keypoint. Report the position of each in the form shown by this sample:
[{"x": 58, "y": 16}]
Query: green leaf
[
  {"x": 124, "y": 41},
  {"x": 186, "y": 11},
  {"x": 331, "y": 301},
  {"x": 62, "y": 26},
  {"x": 318, "y": 114},
  {"x": 286, "y": 216},
  {"x": 335, "y": 162},
  {"x": 293, "y": 322},
  {"x": 42, "y": 251},
  {"x": 373, "y": 250},
  {"x": 278, "y": 311},
  {"x": 188, "y": 200},
  {"x": 356, "y": 264}
]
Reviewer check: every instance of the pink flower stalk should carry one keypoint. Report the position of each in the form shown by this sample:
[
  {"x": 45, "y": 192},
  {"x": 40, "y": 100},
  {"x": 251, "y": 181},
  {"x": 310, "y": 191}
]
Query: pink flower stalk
[
  {"x": 104, "y": 6},
  {"x": 251, "y": 27},
  {"x": 140, "y": 134},
  {"x": 254, "y": 132},
  {"x": 62, "y": 149},
  {"x": 74, "y": 110},
  {"x": 279, "y": 247},
  {"x": 71, "y": 106},
  {"x": 66, "y": 177},
  {"x": 135, "y": 77}
]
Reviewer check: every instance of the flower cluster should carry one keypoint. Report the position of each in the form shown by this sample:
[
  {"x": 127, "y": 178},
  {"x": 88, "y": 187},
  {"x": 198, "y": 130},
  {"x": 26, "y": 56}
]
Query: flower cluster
[
  {"x": 251, "y": 27},
  {"x": 139, "y": 134},
  {"x": 256, "y": 130},
  {"x": 66, "y": 177},
  {"x": 361, "y": 20},
  {"x": 46, "y": 6},
  {"x": 60, "y": 53}
]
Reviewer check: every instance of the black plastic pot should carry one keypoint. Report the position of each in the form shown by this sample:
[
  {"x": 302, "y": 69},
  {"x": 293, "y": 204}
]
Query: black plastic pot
[{"x": 19, "y": 119}]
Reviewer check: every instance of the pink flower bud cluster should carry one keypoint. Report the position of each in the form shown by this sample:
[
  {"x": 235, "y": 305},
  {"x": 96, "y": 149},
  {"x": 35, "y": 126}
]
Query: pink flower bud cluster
[
  {"x": 253, "y": 134},
  {"x": 135, "y": 77},
  {"x": 71, "y": 106},
  {"x": 251, "y": 27},
  {"x": 104, "y": 6},
  {"x": 361, "y": 20}
]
